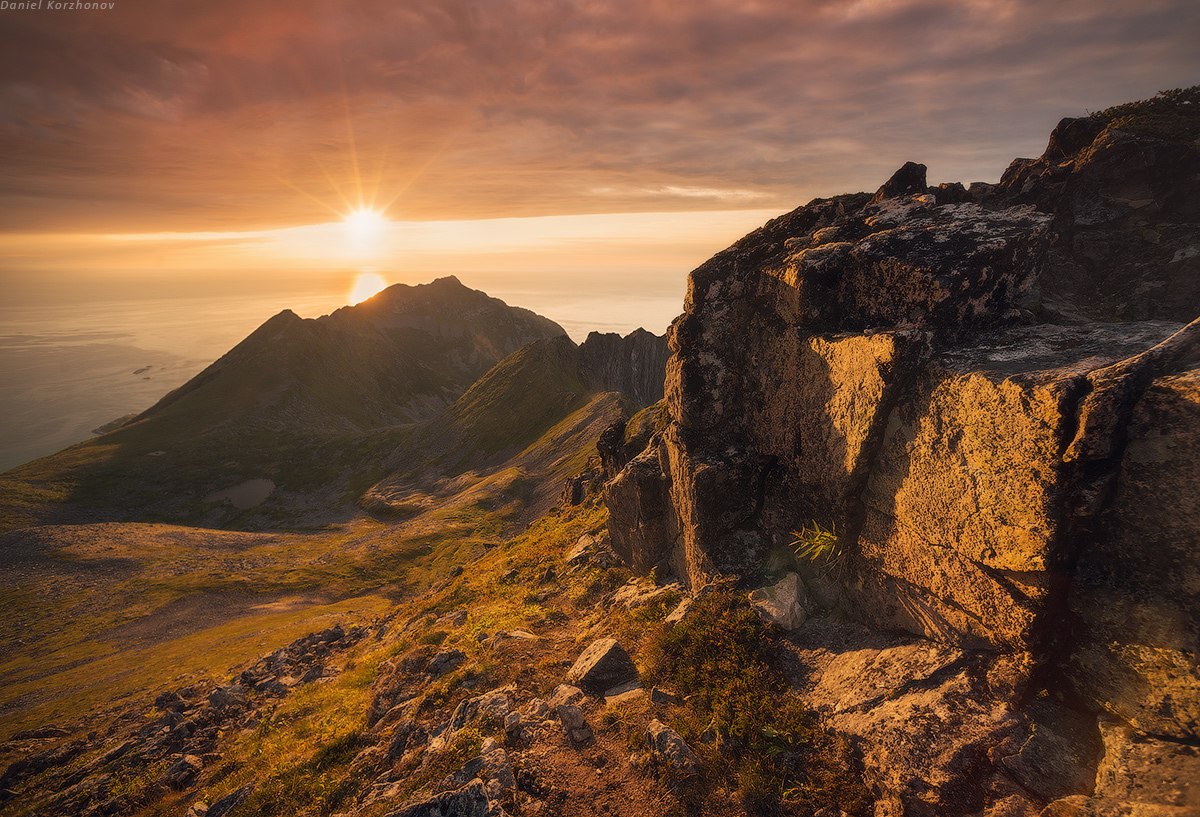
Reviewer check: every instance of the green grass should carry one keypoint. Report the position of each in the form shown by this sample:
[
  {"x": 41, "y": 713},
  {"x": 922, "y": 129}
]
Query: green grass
[
  {"x": 299, "y": 753},
  {"x": 821, "y": 547},
  {"x": 647, "y": 422}
]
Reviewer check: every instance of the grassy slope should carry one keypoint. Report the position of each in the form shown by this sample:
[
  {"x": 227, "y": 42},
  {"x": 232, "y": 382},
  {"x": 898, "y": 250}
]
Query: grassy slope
[
  {"x": 526, "y": 425},
  {"x": 88, "y": 609},
  {"x": 100, "y": 612},
  {"x": 299, "y": 753},
  {"x": 288, "y": 756}
]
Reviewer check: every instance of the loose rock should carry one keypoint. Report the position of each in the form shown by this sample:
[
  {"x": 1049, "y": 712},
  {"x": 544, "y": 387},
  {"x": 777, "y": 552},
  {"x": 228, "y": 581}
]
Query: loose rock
[
  {"x": 670, "y": 751},
  {"x": 602, "y": 666},
  {"x": 783, "y": 604},
  {"x": 182, "y": 772}
]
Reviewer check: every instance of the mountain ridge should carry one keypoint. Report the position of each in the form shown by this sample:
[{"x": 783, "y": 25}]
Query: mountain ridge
[{"x": 310, "y": 404}]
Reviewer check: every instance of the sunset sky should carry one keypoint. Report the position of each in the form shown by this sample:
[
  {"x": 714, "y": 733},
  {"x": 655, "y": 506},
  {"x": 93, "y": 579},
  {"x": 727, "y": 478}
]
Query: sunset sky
[{"x": 179, "y": 139}]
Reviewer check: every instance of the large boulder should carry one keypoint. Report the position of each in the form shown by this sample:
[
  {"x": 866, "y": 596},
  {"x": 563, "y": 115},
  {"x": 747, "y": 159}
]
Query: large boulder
[{"x": 963, "y": 530}]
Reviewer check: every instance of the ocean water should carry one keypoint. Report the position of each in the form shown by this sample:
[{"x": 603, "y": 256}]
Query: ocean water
[{"x": 68, "y": 366}]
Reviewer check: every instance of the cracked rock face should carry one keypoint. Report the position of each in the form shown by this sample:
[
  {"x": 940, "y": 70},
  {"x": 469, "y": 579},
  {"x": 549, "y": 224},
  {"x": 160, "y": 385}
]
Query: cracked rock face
[
  {"x": 990, "y": 397},
  {"x": 962, "y": 537},
  {"x": 1138, "y": 585}
]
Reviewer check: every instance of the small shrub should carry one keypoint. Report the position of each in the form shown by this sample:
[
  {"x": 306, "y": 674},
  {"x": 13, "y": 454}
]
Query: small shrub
[
  {"x": 741, "y": 716},
  {"x": 433, "y": 637},
  {"x": 820, "y": 546}
]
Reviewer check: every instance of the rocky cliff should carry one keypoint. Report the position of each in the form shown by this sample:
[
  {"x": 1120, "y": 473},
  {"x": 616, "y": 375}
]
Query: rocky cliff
[
  {"x": 967, "y": 418},
  {"x": 550, "y": 387}
]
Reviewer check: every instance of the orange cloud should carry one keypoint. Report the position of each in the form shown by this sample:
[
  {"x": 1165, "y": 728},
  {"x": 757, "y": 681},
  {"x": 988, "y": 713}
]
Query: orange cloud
[{"x": 225, "y": 115}]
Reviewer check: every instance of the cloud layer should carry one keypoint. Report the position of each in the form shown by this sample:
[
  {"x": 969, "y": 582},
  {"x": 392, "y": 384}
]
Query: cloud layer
[{"x": 224, "y": 115}]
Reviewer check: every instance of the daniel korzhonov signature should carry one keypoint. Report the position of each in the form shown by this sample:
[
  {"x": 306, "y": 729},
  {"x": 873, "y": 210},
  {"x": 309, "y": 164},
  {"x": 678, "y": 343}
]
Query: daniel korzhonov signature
[{"x": 56, "y": 5}]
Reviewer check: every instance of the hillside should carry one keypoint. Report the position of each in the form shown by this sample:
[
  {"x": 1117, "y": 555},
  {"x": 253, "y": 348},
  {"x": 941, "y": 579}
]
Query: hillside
[
  {"x": 546, "y": 390},
  {"x": 299, "y": 405},
  {"x": 97, "y": 612}
]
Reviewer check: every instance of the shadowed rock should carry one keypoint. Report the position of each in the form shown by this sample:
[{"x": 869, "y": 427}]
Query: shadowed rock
[
  {"x": 602, "y": 666},
  {"x": 909, "y": 180}
]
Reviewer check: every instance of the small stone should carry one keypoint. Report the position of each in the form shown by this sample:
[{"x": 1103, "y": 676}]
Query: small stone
[
  {"x": 670, "y": 751},
  {"x": 566, "y": 694},
  {"x": 513, "y": 726},
  {"x": 576, "y": 728},
  {"x": 783, "y": 603},
  {"x": 603, "y": 665},
  {"x": 445, "y": 661},
  {"x": 539, "y": 710},
  {"x": 232, "y": 696},
  {"x": 183, "y": 771}
]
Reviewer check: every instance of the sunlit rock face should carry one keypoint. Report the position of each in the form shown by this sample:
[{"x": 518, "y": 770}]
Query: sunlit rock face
[
  {"x": 963, "y": 536},
  {"x": 986, "y": 394}
]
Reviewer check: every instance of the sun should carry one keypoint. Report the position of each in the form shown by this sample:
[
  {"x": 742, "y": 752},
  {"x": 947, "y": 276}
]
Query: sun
[
  {"x": 366, "y": 285},
  {"x": 364, "y": 222}
]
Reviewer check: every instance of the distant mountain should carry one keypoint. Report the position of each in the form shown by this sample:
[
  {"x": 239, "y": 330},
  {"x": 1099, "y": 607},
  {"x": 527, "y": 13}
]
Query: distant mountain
[
  {"x": 398, "y": 357},
  {"x": 415, "y": 386}
]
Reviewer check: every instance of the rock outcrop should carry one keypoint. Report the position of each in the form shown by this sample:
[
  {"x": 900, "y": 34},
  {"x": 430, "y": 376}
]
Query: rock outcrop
[
  {"x": 632, "y": 365},
  {"x": 988, "y": 397}
]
